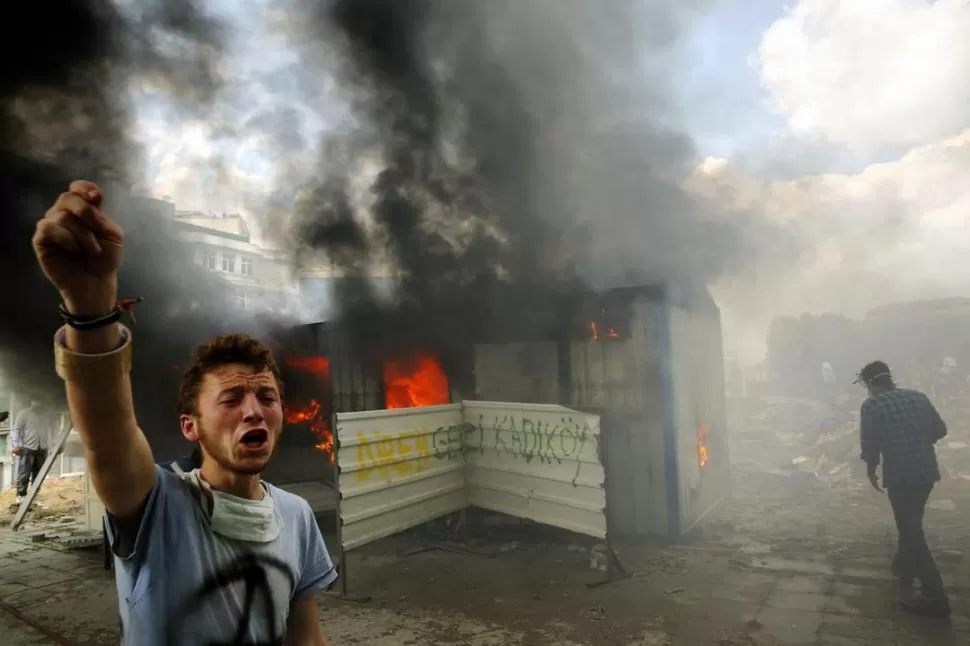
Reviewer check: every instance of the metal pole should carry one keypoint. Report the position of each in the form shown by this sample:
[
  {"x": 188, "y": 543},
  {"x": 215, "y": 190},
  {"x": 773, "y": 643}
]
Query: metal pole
[{"x": 342, "y": 554}]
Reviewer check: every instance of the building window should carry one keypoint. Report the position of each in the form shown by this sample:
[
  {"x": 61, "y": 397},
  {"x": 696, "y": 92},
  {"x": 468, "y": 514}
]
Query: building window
[
  {"x": 246, "y": 266},
  {"x": 242, "y": 299},
  {"x": 208, "y": 260},
  {"x": 229, "y": 262}
]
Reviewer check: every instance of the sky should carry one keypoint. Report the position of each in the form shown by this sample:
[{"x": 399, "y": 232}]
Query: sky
[
  {"x": 723, "y": 100},
  {"x": 847, "y": 122}
]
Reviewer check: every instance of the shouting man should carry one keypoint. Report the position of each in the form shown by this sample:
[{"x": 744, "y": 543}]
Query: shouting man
[
  {"x": 213, "y": 556},
  {"x": 900, "y": 426}
]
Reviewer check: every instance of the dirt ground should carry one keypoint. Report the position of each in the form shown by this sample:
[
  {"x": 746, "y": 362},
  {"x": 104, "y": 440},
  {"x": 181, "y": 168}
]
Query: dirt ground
[{"x": 58, "y": 497}]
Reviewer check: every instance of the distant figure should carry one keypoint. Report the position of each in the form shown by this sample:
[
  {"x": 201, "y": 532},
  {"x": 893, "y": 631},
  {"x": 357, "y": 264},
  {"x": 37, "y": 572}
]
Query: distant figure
[
  {"x": 949, "y": 365},
  {"x": 900, "y": 426},
  {"x": 28, "y": 441},
  {"x": 828, "y": 373}
]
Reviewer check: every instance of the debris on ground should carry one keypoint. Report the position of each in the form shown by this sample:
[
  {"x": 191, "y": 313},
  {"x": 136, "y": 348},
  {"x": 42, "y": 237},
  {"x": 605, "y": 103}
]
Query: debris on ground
[
  {"x": 57, "y": 498},
  {"x": 799, "y": 438},
  {"x": 791, "y": 437}
]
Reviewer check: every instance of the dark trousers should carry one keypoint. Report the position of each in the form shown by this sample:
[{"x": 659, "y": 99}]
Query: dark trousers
[
  {"x": 28, "y": 468},
  {"x": 913, "y": 557}
]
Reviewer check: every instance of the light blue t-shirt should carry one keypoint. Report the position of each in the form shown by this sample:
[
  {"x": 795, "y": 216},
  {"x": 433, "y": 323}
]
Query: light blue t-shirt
[{"x": 184, "y": 585}]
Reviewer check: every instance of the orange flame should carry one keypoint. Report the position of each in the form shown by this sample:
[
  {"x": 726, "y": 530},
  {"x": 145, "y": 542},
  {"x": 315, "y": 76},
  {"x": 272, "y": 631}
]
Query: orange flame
[
  {"x": 418, "y": 382},
  {"x": 318, "y": 426},
  {"x": 319, "y": 366},
  {"x": 312, "y": 413},
  {"x": 595, "y": 333},
  {"x": 703, "y": 453}
]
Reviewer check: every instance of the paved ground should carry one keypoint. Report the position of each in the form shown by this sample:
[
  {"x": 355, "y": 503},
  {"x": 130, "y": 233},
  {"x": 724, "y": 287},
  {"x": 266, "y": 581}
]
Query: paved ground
[
  {"x": 705, "y": 592},
  {"x": 789, "y": 561}
]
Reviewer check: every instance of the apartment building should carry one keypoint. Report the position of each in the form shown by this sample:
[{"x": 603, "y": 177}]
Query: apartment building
[{"x": 260, "y": 278}]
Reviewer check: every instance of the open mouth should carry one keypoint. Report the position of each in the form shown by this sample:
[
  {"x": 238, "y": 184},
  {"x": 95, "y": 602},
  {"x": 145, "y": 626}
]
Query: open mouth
[{"x": 255, "y": 438}]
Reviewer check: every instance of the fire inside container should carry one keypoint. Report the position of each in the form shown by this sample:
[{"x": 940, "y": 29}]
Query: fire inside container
[
  {"x": 418, "y": 381},
  {"x": 312, "y": 412},
  {"x": 317, "y": 386}
]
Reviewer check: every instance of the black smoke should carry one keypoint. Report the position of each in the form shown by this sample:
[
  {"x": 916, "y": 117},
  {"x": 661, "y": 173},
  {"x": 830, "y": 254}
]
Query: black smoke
[
  {"x": 518, "y": 154},
  {"x": 497, "y": 156},
  {"x": 64, "y": 115}
]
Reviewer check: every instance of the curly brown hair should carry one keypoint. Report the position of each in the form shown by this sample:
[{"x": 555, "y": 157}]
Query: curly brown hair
[{"x": 220, "y": 351}]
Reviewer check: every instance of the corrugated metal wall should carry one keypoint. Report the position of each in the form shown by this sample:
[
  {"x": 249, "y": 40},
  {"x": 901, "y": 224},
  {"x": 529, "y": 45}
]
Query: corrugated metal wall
[
  {"x": 401, "y": 468},
  {"x": 621, "y": 377},
  {"x": 398, "y": 469},
  {"x": 697, "y": 376},
  {"x": 536, "y": 461}
]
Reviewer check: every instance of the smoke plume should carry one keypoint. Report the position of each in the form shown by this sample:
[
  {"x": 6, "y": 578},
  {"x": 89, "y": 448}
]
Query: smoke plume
[
  {"x": 506, "y": 144},
  {"x": 492, "y": 157}
]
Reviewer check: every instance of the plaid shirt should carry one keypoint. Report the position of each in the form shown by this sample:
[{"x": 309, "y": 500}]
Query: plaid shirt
[{"x": 901, "y": 426}]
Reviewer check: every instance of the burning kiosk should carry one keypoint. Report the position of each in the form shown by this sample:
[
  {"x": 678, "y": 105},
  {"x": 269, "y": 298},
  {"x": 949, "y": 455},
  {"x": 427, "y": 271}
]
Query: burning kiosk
[{"x": 647, "y": 359}]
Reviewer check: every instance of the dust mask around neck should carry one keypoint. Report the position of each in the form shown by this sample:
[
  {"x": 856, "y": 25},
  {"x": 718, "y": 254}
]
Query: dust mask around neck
[{"x": 241, "y": 519}]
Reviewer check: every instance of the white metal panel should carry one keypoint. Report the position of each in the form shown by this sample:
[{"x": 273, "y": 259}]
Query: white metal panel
[
  {"x": 536, "y": 461},
  {"x": 398, "y": 469},
  {"x": 698, "y": 390}
]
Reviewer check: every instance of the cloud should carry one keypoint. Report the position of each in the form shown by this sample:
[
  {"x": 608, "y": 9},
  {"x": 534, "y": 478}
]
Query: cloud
[
  {"x": 870, "y": 75},
  {"x": 891, "y": 232},
  {"x": 200, "y": 174}
]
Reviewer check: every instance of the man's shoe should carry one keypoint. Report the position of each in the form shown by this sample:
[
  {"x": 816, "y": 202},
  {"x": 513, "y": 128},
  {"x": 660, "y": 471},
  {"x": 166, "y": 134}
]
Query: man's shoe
[{"x": 20, "y": 500}]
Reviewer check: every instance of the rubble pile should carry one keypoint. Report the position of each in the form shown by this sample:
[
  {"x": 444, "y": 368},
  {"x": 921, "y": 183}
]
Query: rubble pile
[
  {"x": 800, "y": 437},
  {"x": 791, "y": 437},
  {"x": 834, "y": 456}
]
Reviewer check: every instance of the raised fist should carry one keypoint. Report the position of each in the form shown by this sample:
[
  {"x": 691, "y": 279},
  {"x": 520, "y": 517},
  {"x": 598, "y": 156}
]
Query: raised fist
[{"x": 79, "y": 249}]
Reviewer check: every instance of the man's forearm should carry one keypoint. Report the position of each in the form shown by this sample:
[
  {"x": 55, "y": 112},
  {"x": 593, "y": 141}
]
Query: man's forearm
[
  {"x": 102, "y": 410},
  {"x": 117, "y": 452}
]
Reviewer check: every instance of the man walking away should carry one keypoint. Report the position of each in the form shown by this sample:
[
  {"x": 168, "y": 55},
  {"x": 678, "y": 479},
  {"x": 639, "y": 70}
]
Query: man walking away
[
  {"x": 900, "y": 426},
  {"x": 28, "y": 441}
]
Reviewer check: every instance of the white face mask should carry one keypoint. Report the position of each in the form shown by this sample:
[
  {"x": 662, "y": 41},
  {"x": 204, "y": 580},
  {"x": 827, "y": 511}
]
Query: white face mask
[{"x": 254, "y": 521}]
